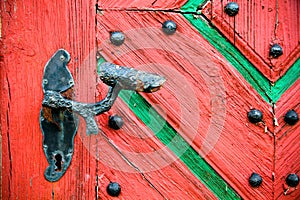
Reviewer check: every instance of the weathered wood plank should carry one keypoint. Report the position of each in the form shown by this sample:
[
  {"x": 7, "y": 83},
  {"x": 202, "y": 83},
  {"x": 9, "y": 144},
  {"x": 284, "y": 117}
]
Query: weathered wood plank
[
  {"x": 270, "y": 92},
  {"x": 149, "y": 158},
  {"x": 112, "y": 166},
  {"x": 31, "y": 32},
  {"x": 257, "y": 26},
  {"x": 146, "y": 47},
  {"x": 140, "y": 5},
  {"x": 23, "y": 59},
  {"x": 174, "y": 142},
  {"x": 287, "y": 144}
]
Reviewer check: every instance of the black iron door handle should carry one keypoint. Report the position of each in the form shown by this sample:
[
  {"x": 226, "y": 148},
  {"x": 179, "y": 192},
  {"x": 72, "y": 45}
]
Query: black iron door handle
[{"x": 58, "y": 118}]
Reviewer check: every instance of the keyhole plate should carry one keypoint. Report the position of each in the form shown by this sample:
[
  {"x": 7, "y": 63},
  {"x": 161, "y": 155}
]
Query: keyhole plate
[{"x": 58, "y": 141}]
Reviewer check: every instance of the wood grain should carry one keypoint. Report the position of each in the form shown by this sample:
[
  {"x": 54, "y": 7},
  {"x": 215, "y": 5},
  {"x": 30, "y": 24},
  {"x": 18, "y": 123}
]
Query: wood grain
[
  {"x": 148, "y": 158},
  {"x": 234, "y": 155},
  {"x": 271, "y": 92},
  {"x": 32, "y": 32},
  {"x": 140, "y": 5},
  {"x": 257, "y": 26},
  {"x": 175, "y": 142},
  {"x": 287, "y": 144}
]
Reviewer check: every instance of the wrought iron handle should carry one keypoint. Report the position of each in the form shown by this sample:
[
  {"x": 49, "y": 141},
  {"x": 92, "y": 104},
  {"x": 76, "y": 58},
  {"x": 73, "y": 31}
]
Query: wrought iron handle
[{"x": 58, "y": 118}]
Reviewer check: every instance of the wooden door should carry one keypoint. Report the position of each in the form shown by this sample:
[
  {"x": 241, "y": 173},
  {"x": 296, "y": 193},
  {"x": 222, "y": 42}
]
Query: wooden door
[{"x": 190, "y": 140}]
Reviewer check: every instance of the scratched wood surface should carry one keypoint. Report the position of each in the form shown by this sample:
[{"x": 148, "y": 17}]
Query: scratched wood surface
[
  {"x": 25, "y": 53},
  {"x": 203, "y": 104},
  {"x": 147, "y": 47},
  {"x": 257, "y": 26},
  {"x": 287, "y": 144},
  {"x": 31, "y": 33},
  {"x": 141, "y": 5}
]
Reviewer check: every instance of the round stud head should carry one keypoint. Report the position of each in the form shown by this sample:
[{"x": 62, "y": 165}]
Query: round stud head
[
  {"x": 113, "y": 189},
  {"x": 291, "y": 117},
  {"x": 255, "y": 116},
  {"x": 115, "y": 122},
  {"x": 292, "y": 180},
  {"x": 276, "y": 51},
  {"x": 117, "y": 38},
  {"x": 231, "y": 9},
  {"x": 169, "y": 27},
  {"x": 255, "y": 180}
]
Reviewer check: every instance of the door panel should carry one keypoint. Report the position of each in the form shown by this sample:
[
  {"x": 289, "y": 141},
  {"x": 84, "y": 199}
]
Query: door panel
[
  {"x": 287, "y": 145},
  {"x": 223, "y": 135},
  {"x": 189, "y": 140},
  {"x": 257, "y": 26},
  {"x": 141, "y": 5}
]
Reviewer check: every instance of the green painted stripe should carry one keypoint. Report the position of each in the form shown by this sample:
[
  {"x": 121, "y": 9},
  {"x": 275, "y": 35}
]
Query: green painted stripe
[
  {"x": 285, "y": 82},
  {"x": 271, "y": 93},
  {"x": 250, "y": 73},
  {"x": 169, "y": 137},
  {"x": 192, "y": 6}
]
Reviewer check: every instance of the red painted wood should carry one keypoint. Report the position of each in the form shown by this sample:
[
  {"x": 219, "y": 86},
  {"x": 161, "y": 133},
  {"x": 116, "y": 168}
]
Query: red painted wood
[
  {"x": 151, "y": 159},
  {"x": 241, "y": 147},
  {"x": 287, "y": 144},
  {"x": 140, "y": 5},
  {"x": 257, "y": 26},
  {"x": 31, "y": 33}
]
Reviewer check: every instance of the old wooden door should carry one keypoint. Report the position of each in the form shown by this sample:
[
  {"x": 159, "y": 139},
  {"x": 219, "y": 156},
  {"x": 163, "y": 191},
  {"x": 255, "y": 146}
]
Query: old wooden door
[{"x": 190, "y": 140}]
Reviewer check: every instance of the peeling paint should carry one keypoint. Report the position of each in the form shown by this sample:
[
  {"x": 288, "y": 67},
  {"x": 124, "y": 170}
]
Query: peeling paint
[{"x": 0, "y": 28}]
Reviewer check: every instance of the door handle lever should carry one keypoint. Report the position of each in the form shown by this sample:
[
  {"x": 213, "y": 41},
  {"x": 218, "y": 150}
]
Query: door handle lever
[{"x": 58, "y": 117}]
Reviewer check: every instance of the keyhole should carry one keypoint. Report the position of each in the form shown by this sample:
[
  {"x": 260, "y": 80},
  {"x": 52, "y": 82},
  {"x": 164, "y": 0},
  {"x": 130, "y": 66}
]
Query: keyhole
[{"x": 58, "y": 162}]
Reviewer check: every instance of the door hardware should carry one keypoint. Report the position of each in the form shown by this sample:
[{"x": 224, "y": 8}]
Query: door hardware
[{"x": 59, "y": 113}]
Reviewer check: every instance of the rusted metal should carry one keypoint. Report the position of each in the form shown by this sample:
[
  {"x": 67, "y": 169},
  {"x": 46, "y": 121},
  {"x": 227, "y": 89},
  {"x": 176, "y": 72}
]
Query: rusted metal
[
  {"x": 57, "y": 76},
  {"x": 58, "y": 126},
  {"x": 129, "y": 78},
  {"x": 58, "y": 120},
  {"x": 88, "y": 111}
]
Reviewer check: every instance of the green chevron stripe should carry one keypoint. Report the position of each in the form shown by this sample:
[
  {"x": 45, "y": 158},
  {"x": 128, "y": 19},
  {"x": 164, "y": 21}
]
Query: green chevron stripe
[
  {"x": 285, "y": 82},
  {"x": 271, "y": 93},
  {"x": 169, "y": 137},
  {"x": 166, "y": 134}
]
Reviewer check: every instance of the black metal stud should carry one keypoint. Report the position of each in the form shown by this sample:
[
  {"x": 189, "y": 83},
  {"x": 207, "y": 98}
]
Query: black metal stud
[
  {"x": 115, "y": 122},
  {"x": 117, "y": 38},
  {"x": 292, "y": 180},
  {"x": 291, "y": 117},
  {"x": 113, "y": 189},
  {"x": 275, "y": 51},
  {"x": 255, "y": 180},
  {"x": 169, "y": 27},
  {"x": 231, "y": 9},
  {"x": 255, "y": 116}
]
